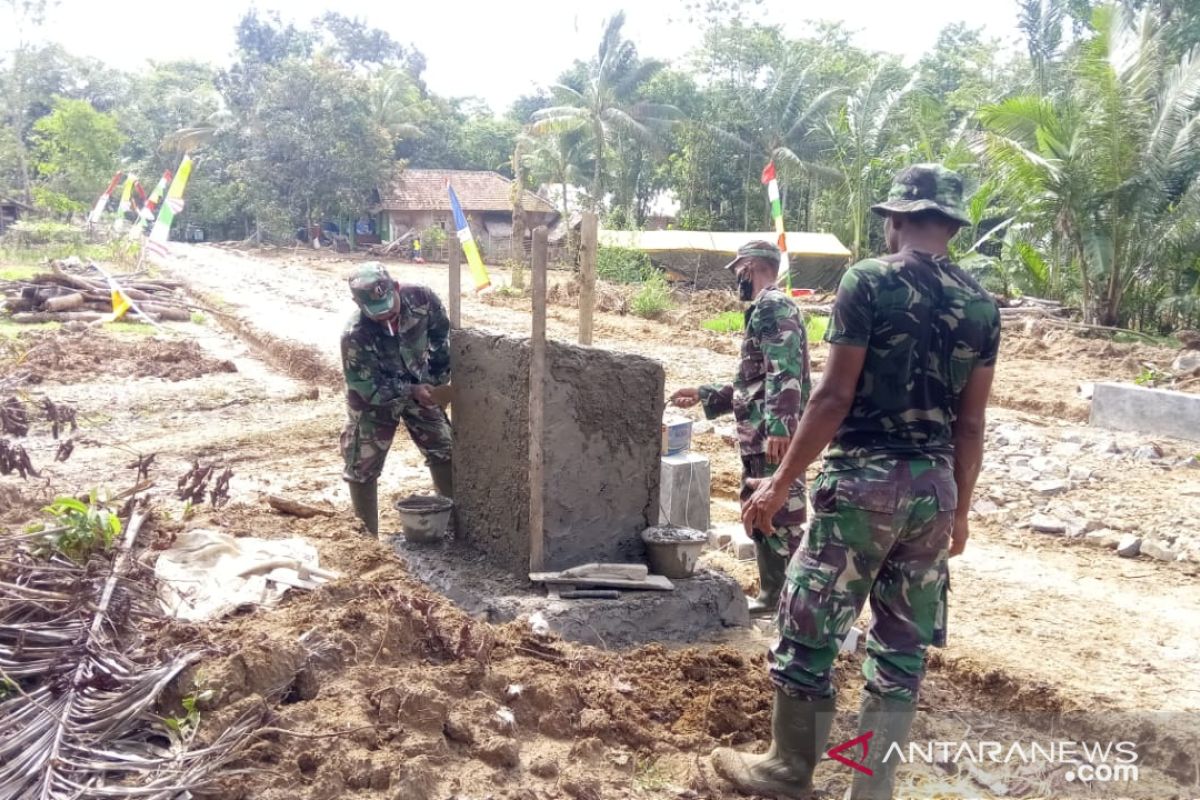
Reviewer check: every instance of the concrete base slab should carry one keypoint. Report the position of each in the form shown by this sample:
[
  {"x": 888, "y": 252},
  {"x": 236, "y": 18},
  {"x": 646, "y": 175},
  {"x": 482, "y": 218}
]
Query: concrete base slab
[
  {"x": 1155, "y": 411},
  {"x": 684, "y": 491},
  {"x": 698, "y": 608}
]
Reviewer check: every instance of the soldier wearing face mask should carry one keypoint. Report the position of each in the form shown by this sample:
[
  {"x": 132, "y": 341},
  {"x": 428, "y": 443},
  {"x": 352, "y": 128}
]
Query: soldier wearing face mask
[
  {"x": 394, "y": 351},
  {"x": 767, "y": 398}
]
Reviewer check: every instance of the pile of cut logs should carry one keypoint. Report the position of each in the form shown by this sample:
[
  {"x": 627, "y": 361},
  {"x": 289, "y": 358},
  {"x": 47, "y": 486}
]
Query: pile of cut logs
[
  {"x": 75, "y": 291},
  {"x": 396, "y": 247},
  {"x": 1032, "y": 308}
]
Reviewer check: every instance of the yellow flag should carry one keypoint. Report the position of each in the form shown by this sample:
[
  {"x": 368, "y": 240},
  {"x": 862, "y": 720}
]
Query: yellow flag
[{"x": 120, "y": 304}]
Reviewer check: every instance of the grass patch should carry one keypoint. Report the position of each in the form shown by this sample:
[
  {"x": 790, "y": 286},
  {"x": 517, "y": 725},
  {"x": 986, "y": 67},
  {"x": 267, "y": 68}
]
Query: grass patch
[
  {"x": 653, "y": 299},
  {"x": 815, "y": 326},
  {"x": 198, "y": 318},
  {"x": 19, "y": 272},
  {"x": 728, "y": 322},
  {"x": 132, "y": 329},
  {"x": 10, "y": 329},
  {"x": 1120, "y": 337}
]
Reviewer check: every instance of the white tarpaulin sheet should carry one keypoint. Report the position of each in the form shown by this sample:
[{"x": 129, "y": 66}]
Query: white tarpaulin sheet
[{"x": 208, "y": 574}]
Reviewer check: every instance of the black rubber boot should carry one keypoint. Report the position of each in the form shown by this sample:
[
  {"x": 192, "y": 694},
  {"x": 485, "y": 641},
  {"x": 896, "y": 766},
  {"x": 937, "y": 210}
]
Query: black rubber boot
[
  {"x": 799, "y": 732},
  {"x": 771, "y": 571},
  {"x": 890, "y": 720},
  {"x": 365, "y": 499},
  {"x": 442, "y": 473}
]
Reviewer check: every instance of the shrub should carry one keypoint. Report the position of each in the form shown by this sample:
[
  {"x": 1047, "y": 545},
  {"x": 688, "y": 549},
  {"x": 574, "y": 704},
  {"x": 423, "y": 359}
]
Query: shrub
[
  {"x": 653, "y": 298},
  {"x": 623, "y": 265}
]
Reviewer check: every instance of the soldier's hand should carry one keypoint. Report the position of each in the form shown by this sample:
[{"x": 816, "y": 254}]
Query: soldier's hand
[
  {"x": 763, "y": 505},
  {"x": 423, "y": 394},
  {"x": 958, "y": 539},
  {"x": 685, "y": 398},
  {"x": 777, "y": 447}
]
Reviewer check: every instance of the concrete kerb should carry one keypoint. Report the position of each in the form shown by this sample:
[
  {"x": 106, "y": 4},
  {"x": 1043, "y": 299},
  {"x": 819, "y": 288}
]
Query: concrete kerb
[{"x": 1155, "y": 411}]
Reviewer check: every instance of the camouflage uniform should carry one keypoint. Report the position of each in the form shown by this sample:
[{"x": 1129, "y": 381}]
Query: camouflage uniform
[
  {"x": 884, "y": 502},
  {"x": 767, "y": 398},
  {"x": 381, "y": 369}
]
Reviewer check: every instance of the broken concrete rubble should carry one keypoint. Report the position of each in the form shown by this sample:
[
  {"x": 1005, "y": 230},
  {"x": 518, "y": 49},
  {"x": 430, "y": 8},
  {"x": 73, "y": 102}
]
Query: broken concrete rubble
[
  {"x": 1158, "y": 550},
  {"x": 1129, "y": 546},
  {"x": 1044, "y": 523}
]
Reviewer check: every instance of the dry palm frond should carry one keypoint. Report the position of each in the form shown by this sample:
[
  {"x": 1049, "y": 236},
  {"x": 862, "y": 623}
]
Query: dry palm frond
[{"x": 78, "y": 686}]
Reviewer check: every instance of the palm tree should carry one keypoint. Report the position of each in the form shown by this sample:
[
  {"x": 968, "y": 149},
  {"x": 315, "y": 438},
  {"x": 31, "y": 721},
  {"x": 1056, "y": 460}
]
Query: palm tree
[
  {"x": 1041, "y": 21},
  {"x": 605, "y": 107},
  {"x": 1113, "y": 167},
  {"x": 859, "y": 145},
  {"x": 395, "y": 103},
  {"x": 779, "y": 127},
  {"x": 552, "y": 160}
]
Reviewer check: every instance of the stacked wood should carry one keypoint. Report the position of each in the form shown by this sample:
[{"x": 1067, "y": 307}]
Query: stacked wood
[
  {"x": 396, "y": 247},
  {"x": 74, "y": 291},
  {"x": 1032, "y": 307}
]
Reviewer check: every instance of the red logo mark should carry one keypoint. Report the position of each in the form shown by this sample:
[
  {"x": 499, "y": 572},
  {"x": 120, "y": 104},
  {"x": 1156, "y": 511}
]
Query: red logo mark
[{"x": 836, "y": 752}]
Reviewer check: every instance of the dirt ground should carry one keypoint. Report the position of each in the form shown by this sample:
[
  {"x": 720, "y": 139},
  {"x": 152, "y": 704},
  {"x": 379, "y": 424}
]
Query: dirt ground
[
  {"x": 56, "y": 357},
  {"x": 378, "y": 688}
]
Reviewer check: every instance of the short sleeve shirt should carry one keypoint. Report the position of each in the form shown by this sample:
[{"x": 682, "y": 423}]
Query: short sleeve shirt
[{"x": 926, "y": 325}]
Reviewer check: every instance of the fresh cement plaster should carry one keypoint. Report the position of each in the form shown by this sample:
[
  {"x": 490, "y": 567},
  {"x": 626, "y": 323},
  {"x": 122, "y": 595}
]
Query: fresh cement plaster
[
  {"x": 699, "y": 607},
  {"x": 603, "y": 412}
]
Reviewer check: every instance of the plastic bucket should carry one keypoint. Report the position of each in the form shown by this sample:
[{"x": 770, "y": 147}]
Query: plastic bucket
[
  {"x": 424, "y": 517},
  {"x": 674, "y": 552}
]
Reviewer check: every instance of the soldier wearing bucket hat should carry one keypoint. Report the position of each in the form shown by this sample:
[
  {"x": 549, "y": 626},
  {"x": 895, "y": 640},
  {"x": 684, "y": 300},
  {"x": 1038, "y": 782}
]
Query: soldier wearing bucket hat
[
  {"x": 394, "y": 351},
  {"x": 766, "y": 397},
  {"x": 913, "y": 345}
]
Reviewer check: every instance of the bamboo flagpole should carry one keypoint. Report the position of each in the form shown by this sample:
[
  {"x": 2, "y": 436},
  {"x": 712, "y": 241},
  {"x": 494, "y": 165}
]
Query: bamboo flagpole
[{"x": 768, "y": 177}]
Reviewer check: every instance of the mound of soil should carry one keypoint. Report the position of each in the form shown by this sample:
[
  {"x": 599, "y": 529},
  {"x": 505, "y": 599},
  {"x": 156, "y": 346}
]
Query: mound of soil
[
  {"x": 384, "y": 688},
  {"x": 71, "y": 357}
]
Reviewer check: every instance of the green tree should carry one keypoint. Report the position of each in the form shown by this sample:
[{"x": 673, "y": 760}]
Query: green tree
[
  {"x": 863, "y": 150},
  {"x": 312, "y": 149},
  {"x": 75, "y": 151},
  {"x": 603, "y": 106},
  {"x": 1113, "y": 167}
]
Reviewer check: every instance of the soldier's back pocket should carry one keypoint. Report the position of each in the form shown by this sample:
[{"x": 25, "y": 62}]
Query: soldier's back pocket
[{"x": 864, "y": 489}]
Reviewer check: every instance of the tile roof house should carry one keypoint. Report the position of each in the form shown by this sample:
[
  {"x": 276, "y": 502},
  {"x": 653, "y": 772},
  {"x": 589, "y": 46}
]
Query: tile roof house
[{"x": 417, "y": 198}]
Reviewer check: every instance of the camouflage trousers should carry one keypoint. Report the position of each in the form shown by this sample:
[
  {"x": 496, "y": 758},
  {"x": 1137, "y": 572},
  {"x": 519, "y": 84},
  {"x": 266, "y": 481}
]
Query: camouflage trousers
[
  {"x": 789, "y": 520},
  {"x": 880, "y": 531},
  {"x": 368, "y": 434}
]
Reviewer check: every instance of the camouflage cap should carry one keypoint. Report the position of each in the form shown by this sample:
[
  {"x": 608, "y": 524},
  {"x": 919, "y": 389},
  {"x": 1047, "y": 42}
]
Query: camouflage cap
[
  {"x": 756, "y": 249},
  {"x": 925, "y": 187},
  {"x": 373, "y": 290}
]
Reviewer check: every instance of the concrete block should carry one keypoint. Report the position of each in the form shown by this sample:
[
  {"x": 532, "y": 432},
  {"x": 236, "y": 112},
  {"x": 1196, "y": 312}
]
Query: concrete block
[
  {"x": 718, "y": 538},
  {"x": 1155, "y": 411},
  {"x": 684, "y": 483},
  {"x": 733, "y": 537},
  {"x": 602, "y": 449}
]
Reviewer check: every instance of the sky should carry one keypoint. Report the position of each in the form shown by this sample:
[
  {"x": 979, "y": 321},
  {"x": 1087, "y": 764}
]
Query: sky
[{"x": 469, "y": 44}]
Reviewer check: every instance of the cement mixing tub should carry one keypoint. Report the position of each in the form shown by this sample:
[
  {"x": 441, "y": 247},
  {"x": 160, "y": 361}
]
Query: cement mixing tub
[
  {"x": 674, "y": 552},
  {"x": 424, "y": 517}
]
